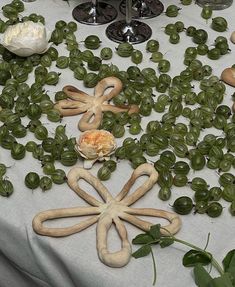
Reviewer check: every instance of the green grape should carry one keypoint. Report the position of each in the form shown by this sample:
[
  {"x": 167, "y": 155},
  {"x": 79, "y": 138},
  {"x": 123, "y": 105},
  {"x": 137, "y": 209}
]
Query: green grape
[
  {"x": 62, "y": 62},
  {"x": 223, "y": 47},
  {"x": 164, "y": 193},
  {"x": 180, "y": 149},
  {"x": 181, "y": 168},
  {"x": 52, "y": 78},
  {"x": 200, "y": 36},
  {"x": 136, "y": 57},
  {"x": 226, "y": 179},
  {"x": 6, "y": 187},
  {"x": 90, "y": 80},
  {"x": 79, "y": 73},
  {"x": 206, "y": 12},
  {"x": 45, "y": 183},
  {"x": 94, "y": 63},
  {"x": 219, "y": 24},
  {"x": 214, "y": 209},
  {"x": 47, "y": 158},
  {"x": 170, "y": 28},
  {"x": 120, "y": 153},
  {"x": 48, "y": 168},
  {"x": 54, "y": 115},
  {"x": 135, "y": 128},
  {"x": 53, "y": 53},
  {"x": 38, "y": 152},
  {"x": 214, "y": 54},
  {"x": 110, "y": 164},
  {"x": 172, "y": 10},
  {"x": 174, "y": 38},
  {"x": 152, "y": 46},
  {"x": 165, "y": 179},
  {"x": 145, "y": 109},
  {"x": 228, "y": 193},
  {"x": 46, "y": 60},
  {"x": 124, "y": 49},
  {"x": 104, "y": 173},
  {"x": 68, "y": 158},
  {"x": 138, "y": 160},
  {"x": 118, "y": 131},
  {"x": 133, "y": 72},
  {"x": 30, "y": 146},
  {"x": 106, "y": 53},
  {"x": 198, "y": 184},
  {"x": 161, "y": 140},
  {"x": 164, "y": 66},
  {"x": 41, "y": 132},
  {"x": 190, "y": 31},
  {"x": 198, "y": 161},
  {"x": 215, "y": 193},
  {"x": 57, "y": 37},
  {"x": 201, "y": 195},
  {"x": 32, "y": 180},
  {"x": 156, "y": 57},
  {"x": 19, "y": 131},
  {"x": 92, "y": 42},
  {"x": 213, "y": 163},
  {"x": 183, "y": 205},
  {"x": 180, "y": 180},
  {"x": 179, "y": 26},
  {"x": 34, "y": 111},
  {"x": 151, "y": 149},
  {"x": 58, "y": 176}
]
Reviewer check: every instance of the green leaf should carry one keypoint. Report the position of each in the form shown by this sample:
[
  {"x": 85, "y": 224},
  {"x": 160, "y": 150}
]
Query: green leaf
[
  {"x": 142, "y": 251},
  {"x": 229, "y": 260},
  {"x": 166, "y": 241},
  {"x": 193, "y": 257},
  {"x": 222, "y": 281},
  {"x": 201, "y": 276},
  {"x": 231, "y": 271},
  {"x": 155, "y": 231},
  {"x": 142, "y": 238}
]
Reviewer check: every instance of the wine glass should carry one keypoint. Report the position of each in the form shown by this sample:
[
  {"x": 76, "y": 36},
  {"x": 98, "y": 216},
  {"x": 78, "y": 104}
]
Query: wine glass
[
  {"x": 143, "y": 9},
  {"x": 215, "y": 4},
  {"x": 94, "y": 12},
  {"x": 128, "y": 30}
]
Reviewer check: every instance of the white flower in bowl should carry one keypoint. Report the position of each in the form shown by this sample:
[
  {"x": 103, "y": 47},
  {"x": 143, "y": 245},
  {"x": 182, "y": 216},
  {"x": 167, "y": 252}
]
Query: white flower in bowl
[
  {"x": 95, "y": 145},
  {"x": 27, "y": 38}
]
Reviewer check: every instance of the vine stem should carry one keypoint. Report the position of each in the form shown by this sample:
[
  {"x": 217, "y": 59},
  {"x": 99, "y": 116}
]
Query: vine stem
[
  {"x": 154, "y": 268},
  {"x": 213, "y": 261}
]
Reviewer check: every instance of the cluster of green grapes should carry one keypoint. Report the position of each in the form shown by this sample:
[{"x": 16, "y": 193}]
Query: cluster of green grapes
[{"x": 154, "y": 90}]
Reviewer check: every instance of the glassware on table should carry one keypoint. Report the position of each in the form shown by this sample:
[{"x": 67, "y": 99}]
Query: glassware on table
[
  {"x": 128, "y": 30},
  {"x": 215, "y": 4},
  {"x": 94, "y": 12},
  {"x": 143, "y": 9}
]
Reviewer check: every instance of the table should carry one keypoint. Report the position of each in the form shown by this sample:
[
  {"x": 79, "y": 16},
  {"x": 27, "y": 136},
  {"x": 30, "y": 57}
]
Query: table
[{"x": 29, "y": 260}]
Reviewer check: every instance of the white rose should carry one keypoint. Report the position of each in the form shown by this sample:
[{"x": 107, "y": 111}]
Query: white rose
[{"x": 26, "y": 39}]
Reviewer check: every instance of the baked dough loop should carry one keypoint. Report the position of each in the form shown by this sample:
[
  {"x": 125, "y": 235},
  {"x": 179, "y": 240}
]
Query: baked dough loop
[
  {"x": 111, "y": 210},
  {"x": 92, "y": 107}
]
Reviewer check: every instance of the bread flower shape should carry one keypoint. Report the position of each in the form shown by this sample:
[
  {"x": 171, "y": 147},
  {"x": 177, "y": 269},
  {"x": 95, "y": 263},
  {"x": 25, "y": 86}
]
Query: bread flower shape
[
  {"x": 27, "y": 38},
  {"x": 95, "y": 145}
]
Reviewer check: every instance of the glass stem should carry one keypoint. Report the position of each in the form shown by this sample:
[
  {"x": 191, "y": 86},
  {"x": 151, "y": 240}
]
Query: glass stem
[
  {"x": 128, "y": 11},
  {"x": 94, "y": 3}
]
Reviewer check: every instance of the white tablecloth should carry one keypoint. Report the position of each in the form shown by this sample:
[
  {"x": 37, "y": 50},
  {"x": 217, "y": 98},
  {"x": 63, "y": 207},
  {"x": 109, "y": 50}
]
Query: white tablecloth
[{"x": 30, "y": 260}]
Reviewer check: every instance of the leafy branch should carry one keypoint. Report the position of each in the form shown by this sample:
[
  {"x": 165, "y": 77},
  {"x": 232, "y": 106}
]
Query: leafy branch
[{"x": 196, "y": 257}]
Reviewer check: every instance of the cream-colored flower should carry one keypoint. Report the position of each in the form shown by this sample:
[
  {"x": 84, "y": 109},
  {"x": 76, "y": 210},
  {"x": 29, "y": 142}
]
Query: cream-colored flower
[
  {"x": 27, "y": 38},
  {"x": 95, "y": 145}
]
